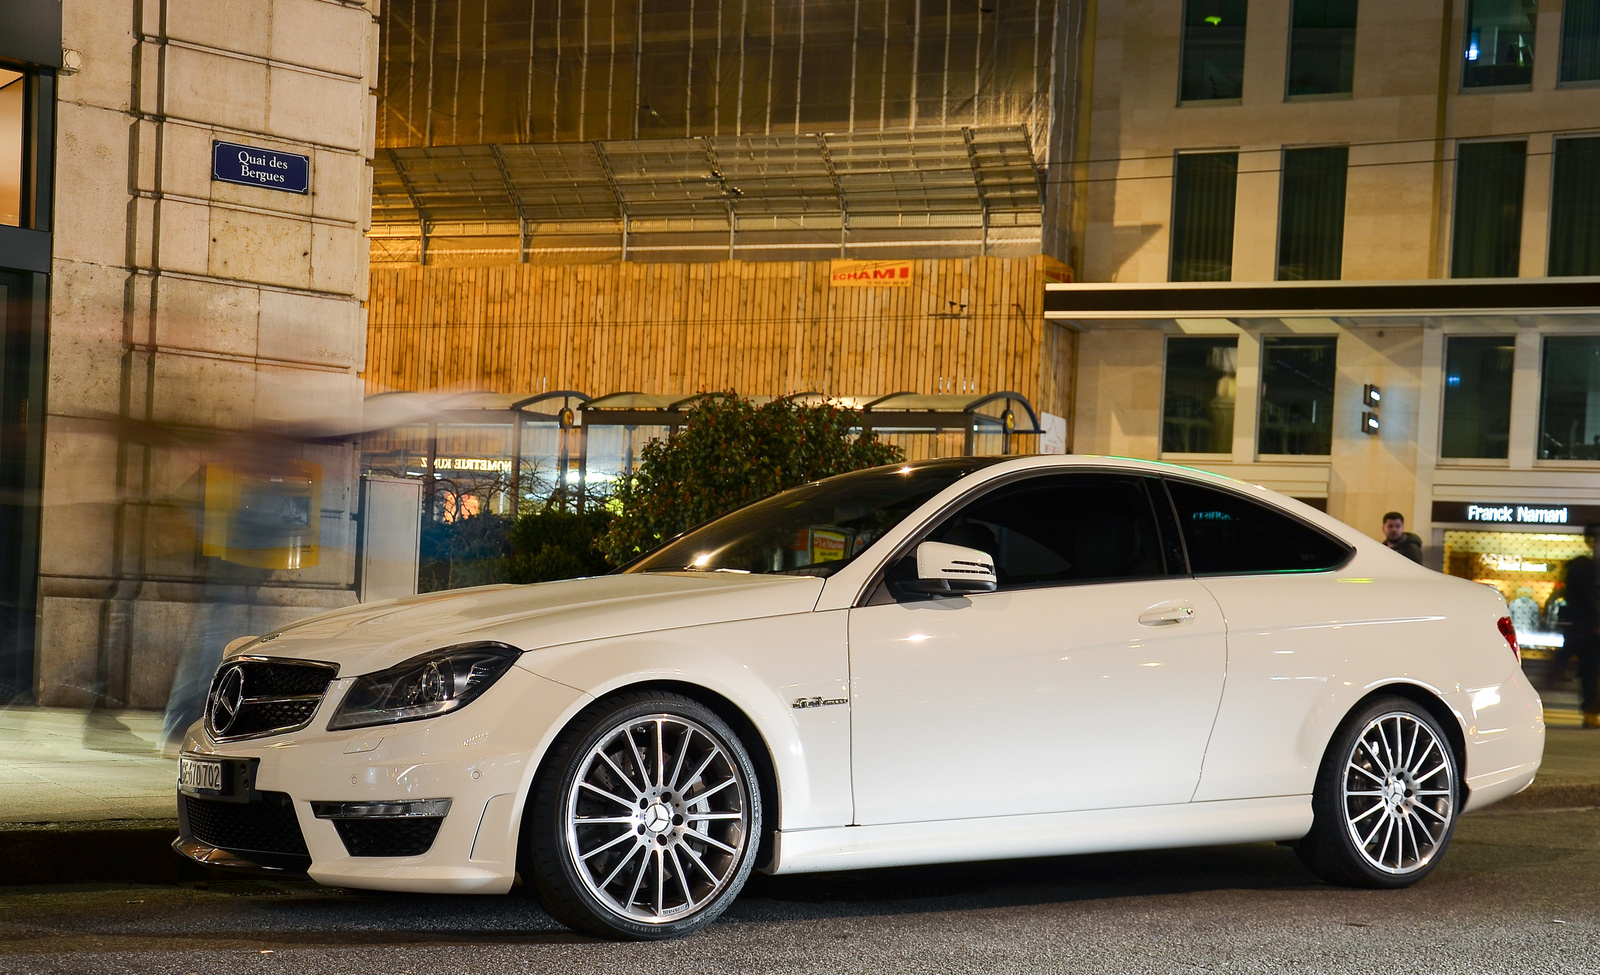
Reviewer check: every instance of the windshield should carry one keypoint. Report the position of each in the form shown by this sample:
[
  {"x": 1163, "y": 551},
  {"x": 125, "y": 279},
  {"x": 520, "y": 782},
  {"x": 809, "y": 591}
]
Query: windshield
[{"x": 816, "y": 529}]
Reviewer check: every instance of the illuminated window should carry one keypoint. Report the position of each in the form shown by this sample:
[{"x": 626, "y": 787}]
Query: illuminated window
[
  {"x": 11, "y": 91},
  {"x": 1198, "y": 397},
  {"x": 1213, "y": 50},
  {"x": 1322, "y": 47},
  {"x": 1499, "y": 43},
  {"x": 1477, "y": 396}
]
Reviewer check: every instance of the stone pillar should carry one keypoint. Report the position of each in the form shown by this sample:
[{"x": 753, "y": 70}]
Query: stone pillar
[{"x": 195, "y": 322}]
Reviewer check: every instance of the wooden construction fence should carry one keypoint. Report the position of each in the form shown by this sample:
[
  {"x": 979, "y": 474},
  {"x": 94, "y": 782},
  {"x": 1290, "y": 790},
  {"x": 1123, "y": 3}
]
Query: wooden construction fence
[{"x": 963, "y": 325}]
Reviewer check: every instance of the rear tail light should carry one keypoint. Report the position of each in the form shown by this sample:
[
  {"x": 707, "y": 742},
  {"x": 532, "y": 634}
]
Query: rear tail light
[{"x": 1510, "y": 633}]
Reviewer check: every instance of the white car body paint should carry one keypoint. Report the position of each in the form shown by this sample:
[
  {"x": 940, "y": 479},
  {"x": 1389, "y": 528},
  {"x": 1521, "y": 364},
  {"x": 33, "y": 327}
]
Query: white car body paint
[{"x": 1204, "y": 729}]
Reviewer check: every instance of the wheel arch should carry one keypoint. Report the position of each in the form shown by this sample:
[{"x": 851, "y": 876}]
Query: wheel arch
[
  {"x": 749, "y": 735},
  {"x": 1430, "y": 702}
]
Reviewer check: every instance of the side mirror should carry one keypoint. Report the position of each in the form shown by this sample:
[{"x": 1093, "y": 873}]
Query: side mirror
[{"x": 950, "y": 570}]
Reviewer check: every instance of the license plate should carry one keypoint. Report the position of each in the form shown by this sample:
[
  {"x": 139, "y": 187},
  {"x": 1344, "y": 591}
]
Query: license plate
[{"x": 200, "y": 775}]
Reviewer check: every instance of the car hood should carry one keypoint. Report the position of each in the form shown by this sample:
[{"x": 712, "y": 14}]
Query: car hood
[{"x": 372, "y": 636}]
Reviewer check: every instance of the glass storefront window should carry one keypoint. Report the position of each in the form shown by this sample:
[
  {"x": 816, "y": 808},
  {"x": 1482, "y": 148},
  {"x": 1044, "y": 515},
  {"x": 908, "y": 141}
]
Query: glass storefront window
[
  {"x": 1297, "y": 375},
  {"x": 1499, "y": 43},
  {"x": 1311, "y": 224},
  {"x": 1204, "y": 189},
  {"x": 1488, "y": 214},
  {"x": 1569, "y": 398},
  {"x": 1213, "y": 50},
  {"x": 1477, "y": 396},
  {"x": 11, "y": 92},
  {"x": 1529, "y": 569},
  {"x": 1575, "y": 207},
  {"x": 1322, "y": 47},
  {"x": 1198, "y": 395},
  {"x": 1580, "y": 41}
]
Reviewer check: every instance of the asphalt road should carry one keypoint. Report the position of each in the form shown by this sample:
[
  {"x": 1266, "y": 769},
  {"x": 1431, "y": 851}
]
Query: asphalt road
[{"x": 1517, "y": 892}]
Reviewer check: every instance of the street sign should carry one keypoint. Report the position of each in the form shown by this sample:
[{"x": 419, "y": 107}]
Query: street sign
[{"x": 267, "y": 168}]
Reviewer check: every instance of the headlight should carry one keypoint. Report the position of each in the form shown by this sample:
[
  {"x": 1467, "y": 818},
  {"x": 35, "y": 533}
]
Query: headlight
[{"x": 423, "y": 687}]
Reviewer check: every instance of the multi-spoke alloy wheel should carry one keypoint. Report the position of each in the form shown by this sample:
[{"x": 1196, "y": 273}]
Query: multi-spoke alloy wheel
[
  {"x": 1385, "y": 801},
  {"x": 654, "y": 816}
]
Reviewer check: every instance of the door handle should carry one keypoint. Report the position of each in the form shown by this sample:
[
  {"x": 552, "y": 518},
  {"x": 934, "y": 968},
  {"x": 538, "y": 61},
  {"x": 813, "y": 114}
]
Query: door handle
[{"x": 1166, "y": 614}]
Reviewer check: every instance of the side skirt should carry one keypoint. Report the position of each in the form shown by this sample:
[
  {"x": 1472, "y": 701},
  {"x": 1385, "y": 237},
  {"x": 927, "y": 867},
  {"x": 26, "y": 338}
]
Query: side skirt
[{"x": 1052, "y": 834}]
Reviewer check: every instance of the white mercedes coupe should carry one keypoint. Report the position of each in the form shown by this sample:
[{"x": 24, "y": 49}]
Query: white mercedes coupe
[{"x": 949, "y": 660}]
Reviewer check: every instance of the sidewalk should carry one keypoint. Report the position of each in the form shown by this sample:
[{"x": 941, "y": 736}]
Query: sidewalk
[{"x": 87, "y": 796}]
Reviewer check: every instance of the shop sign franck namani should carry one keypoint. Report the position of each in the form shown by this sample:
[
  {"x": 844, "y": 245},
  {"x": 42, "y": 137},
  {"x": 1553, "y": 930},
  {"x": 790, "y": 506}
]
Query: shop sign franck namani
[
  {"x": 268, "y": 168},
  {"x": 1518, "y": 514}
]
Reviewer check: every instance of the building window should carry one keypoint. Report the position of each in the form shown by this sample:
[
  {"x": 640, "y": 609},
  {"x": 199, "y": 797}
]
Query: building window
[
  {"x": 11, "y": 100},
  {"x": 1297, "y": 394},
  {"x": 1213, "y": 50},
  {"x": 1477, "y": 396},
  {"x": 1580, "y": 41},
  {"x": 1499, "y": 43},
  {"x": 1203, "y": 190},
  {"x": 1198, "y": 396},
  {"x": 1569, "y": 398},
  {"x": 1311, "y": 228},
  {"x": 1488, "y": 212},
  {"x": 1575, "y": 207},
  {"x": 1322, "y": 47}
]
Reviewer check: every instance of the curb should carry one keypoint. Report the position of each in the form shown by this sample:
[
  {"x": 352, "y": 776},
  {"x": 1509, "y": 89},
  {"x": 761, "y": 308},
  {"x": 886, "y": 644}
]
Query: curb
[{"x": 139, "y": 851}]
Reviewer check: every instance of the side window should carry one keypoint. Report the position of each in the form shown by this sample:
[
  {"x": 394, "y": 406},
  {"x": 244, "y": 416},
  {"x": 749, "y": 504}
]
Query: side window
[
  {"x": 1228, "y": 534},
  {"x": 1061, "y": 529}
]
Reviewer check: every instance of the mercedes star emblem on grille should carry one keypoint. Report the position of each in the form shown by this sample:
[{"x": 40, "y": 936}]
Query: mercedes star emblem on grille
[{"x": 230, "y": 700}]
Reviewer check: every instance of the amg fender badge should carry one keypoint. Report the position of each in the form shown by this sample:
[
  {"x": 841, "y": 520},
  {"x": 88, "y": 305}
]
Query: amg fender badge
[{"x": 801, "y": 703}]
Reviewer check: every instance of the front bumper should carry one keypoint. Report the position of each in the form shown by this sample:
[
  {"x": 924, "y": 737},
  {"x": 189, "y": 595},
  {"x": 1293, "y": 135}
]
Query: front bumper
[{"x": 481, "y": 759}]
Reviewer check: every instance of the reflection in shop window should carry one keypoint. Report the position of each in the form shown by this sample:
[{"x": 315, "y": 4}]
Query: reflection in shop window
[
  {"x": 1569, "y": 398},
  {"x": 1311, "y": 224},
  {"x": 1499, "y": 43},
  {"x": 1297, "y": 395},
  {"x": 1580, "y": 41},
  {"x": 1322, "y": 47},
  {"x": 1213, "y": 49},
  {"x": 1529, "y": 569},
  {"x": 11, "y": 90},
  {"x": 1575, "y": 207},
  {"x": 1198, "y": 397},
  {"x": 1477, "y": 396}
]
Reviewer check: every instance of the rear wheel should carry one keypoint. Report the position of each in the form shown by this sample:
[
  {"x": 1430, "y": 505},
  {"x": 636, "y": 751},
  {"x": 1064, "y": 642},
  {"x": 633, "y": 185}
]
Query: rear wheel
[
  {"x": 645, "y": 824},
  {"x": 1385, "y": 800}
]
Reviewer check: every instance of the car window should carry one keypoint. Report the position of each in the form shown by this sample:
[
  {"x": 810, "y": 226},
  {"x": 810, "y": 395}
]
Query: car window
[
  {"x": 1061, "y": 529},
  {"x": 1228, "y": 534}
]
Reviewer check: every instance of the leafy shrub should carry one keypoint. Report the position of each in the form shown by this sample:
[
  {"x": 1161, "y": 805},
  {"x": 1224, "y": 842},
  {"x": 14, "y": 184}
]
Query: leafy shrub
[
  {"x": 555, "y": 544},
  {"x": 466, "y": 552},
  {"x": 731, "y": 452}
]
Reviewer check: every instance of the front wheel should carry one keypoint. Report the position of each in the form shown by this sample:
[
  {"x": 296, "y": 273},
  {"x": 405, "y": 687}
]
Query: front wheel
[
  {"x": 1385, "y": 800},
  {"x": 645, "y": 823}
]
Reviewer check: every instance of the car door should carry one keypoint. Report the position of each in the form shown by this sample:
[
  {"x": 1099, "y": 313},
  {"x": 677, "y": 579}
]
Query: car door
[{"x": 1089, "y": 679}]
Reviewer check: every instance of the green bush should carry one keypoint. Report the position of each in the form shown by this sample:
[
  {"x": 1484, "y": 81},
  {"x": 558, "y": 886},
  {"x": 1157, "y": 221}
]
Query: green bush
[
  {"x": 555, "y": 544},
  {"x": 728, "y": 453},
  {"x": 469, "y": 551}
]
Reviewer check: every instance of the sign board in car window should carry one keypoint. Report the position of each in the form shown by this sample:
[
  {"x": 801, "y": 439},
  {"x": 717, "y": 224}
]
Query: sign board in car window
[{"x": 252, "y": 166}]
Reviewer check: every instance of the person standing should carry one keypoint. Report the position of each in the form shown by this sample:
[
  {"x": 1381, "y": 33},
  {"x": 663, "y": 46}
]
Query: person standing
[
  {"x": 1582, "y": 616},
  {"x": 1396, "y": 537}
]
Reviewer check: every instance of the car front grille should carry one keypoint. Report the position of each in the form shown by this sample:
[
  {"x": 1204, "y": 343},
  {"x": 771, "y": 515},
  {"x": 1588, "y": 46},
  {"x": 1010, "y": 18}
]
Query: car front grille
[
  {"x": 407, "y": 837},
  {"x": 264, "y": 829},
  {"x": 254, "y": 697}
]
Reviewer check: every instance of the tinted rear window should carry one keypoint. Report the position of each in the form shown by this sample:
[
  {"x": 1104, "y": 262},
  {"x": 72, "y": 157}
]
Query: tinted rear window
[{"x": 1228, "y": 534}]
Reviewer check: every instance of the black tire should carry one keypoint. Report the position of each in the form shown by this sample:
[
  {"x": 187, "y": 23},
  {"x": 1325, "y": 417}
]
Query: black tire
[
  {"x": 1386, "y": 798},
  {"x": 664, "y": 810}
]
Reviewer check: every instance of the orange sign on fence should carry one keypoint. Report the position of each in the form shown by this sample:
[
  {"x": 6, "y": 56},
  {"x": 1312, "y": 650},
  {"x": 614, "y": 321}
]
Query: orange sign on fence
[{"x": 870, "y": 274}]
